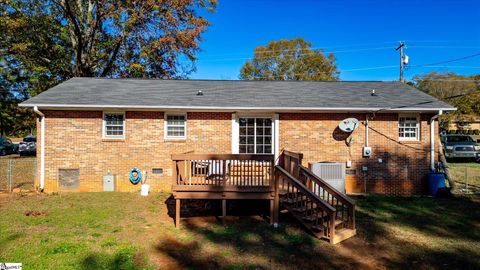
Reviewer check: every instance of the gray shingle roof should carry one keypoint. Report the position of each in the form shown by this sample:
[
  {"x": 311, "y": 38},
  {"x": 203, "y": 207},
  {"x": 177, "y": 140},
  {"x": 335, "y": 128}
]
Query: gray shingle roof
[{"x": 234, "y": 95}]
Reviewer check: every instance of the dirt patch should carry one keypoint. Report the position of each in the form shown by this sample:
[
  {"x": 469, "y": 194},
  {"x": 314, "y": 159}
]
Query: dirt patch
[{"x": 31, "y": 213}]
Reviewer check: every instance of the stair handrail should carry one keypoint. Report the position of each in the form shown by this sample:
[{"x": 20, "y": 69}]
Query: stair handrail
[
  {"x": 319, "y": 181},
  {"x": 299, "y": 185}
]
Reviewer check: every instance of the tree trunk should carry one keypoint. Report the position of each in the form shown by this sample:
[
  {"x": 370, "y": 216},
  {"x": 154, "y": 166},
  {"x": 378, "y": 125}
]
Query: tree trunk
[{"x": 448, "y": 175}]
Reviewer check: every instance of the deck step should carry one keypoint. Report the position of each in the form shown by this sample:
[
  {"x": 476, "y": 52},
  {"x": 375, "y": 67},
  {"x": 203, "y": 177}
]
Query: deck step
[
  {"x": 304, "y": 208},
  {"x": 286, "y": 194},
  {"x": 312, "y": 218},
  {"x": 294, "y": 199},
  {"x": 343, "y": 234},
  {"x": 318, "y": 227}
]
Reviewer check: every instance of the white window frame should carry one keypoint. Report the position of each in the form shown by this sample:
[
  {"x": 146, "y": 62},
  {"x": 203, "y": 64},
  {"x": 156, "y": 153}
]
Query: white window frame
[
  {"x": 104, "y": 126},
  {"x": 165, "y": 126},
  {"x": 236, "y": 130},
  {"x": 417, "y": 137}
]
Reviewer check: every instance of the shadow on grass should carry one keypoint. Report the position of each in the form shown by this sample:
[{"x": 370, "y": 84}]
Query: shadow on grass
[
  {"x": 10, "y": 238},
  {"x": 456, "y": 218},
  {"x": 454, "y": 221},
  {"x": 250, "y": 243},
  {"x": 126, "y": 259},
  {"x": 205, "y": 208}
]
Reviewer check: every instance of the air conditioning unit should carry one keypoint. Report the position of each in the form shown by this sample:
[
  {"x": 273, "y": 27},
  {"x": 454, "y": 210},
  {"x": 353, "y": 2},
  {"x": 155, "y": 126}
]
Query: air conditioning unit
[{"x": 331, "y": 172}]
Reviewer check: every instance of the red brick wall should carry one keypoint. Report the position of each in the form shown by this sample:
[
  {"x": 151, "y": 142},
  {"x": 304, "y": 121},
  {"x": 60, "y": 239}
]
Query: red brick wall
[
  {"x": 404, "y": 164},
  {"x": 74, "y": 141}
]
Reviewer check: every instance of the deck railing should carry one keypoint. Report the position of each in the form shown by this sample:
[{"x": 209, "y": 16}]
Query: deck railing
[
  {"x": 345, "y": 207},
  {"x": 310, "y": 207},
  {"x": 223, "y": 169}
]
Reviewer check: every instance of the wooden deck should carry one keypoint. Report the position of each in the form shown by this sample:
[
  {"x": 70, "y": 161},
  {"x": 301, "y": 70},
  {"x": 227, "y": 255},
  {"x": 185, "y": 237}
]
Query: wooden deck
[
  {"x": 223, "y": 176},
  {"x": 325, "y": 212}
]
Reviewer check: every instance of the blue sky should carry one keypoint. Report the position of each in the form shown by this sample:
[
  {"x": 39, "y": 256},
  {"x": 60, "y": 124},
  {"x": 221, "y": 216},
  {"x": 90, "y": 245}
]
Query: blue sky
[{"x": 362, "y": 34}]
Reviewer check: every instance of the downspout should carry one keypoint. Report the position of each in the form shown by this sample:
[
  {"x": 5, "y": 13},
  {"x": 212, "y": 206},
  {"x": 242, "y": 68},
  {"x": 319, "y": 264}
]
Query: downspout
[
  {"x": 366, "y": 129},
  {"x": 42, "y": 147},
  {"x": 432, "y": 140},
  {"x": 367, "y": 117}
]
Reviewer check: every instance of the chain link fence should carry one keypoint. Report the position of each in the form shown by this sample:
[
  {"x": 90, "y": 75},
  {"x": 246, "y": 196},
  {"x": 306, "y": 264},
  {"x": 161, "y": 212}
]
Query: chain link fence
[
  {"x": 467, "y": 177},
  {"x": 17, "y": 174}
]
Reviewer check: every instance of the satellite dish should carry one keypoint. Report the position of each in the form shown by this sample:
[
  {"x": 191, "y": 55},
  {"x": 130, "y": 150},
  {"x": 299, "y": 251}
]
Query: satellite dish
[{"x": 348, "y": 125}]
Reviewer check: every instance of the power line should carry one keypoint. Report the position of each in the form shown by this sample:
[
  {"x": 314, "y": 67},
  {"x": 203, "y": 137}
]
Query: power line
[
  {"x": 313, "y": 48},
  {"x": 448, "y": 61},
  {"x": 315, "y": 51},
  {"x": 292, "y": 53},
  {"x": 444, "y": 47},
  {"x": 372, "y": 44},
  {"x": 367, "y": 68},
  {"x": 444, "y": 41},
  {"x": 453, "y": 66},
  {"x": 448, "y": 80}
]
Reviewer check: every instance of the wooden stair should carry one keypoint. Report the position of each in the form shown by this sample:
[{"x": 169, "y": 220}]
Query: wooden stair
[
  {"x": 313, "y": 222},
  {"x": 331, "y": 218},
  {"x": 343, "y": 234}
]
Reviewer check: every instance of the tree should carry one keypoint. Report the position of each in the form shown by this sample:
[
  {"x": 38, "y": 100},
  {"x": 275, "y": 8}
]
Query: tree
[
  {"x": 44, "y": 42},
  {"x": 292, "y": 59},
  {"x": 463, "y": 92}
]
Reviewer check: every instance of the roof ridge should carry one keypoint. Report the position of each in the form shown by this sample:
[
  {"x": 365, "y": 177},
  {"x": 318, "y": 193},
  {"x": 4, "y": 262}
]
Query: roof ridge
[{"x": 221, "y": 80}]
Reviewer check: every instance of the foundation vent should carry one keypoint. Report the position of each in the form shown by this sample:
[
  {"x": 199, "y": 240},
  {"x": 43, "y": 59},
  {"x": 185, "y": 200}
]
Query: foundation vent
[{"x": 69, "y": 179}]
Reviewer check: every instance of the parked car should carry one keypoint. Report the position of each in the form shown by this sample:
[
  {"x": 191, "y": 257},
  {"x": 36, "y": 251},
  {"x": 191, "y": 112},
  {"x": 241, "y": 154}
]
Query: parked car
[
  {"x": 460, "y": 146},
  {"x": 7, "y": 147},
  {"x": 28, "y": 146}
]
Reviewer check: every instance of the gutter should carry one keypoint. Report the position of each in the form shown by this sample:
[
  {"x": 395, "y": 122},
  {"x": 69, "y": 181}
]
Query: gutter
[
  {"x": 232, "y": 108},
  {"x": 432, "y": 140},
  {"x": 42, "y": 147}
]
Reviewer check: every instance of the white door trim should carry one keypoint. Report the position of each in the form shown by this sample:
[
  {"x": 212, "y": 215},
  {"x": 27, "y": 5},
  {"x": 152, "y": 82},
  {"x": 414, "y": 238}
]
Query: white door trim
[{"x": 235, "y": 133}]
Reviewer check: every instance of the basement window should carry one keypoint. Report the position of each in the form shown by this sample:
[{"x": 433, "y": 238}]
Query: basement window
[
  {"x": 175, "y": 126},
  {"x": 408, "y": 128},
  {"x": 114, "y": 125}
]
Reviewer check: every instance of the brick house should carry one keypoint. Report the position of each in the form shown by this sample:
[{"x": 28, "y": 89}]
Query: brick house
[{"x": 92, "y": 127}]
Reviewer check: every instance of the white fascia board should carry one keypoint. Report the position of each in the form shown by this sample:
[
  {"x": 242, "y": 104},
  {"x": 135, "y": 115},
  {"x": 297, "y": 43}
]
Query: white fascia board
[{"x": 231, "y": 109}]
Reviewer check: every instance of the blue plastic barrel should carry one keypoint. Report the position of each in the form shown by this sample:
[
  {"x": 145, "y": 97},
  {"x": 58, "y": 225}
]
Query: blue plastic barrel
[{"x": 436, "y": 181}]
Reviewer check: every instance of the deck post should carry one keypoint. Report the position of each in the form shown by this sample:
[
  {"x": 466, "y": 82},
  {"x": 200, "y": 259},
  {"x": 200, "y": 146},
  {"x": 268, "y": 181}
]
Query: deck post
[
  {"x": 275, "y": 203},
  {"x": 177, "y": 213},
  {"x": 272, "y": 211},
  {"x": 174, "y": 173},
  {"x": 332, "y": 227},
  {"x": 352, "y": 216},
  {"x": 224, "y": 210}
]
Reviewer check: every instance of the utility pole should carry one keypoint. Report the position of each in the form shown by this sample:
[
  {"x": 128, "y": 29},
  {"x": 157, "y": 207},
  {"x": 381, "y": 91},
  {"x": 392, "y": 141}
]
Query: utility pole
[{"x": 400, "y": 47}]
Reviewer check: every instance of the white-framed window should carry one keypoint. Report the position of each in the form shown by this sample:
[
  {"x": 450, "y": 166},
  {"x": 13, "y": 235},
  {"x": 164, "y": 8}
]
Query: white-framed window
[
  {"x": 408, "y": 127},
  {"x": 175, "y": 126},
  {"x": 114, "y": 125},
  {"x": 255, "y": 135}
]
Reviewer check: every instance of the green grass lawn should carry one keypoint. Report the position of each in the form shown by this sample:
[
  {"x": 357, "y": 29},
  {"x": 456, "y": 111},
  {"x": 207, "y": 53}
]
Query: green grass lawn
[{"x": 126, "y": 231}]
